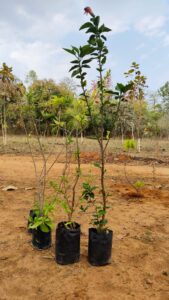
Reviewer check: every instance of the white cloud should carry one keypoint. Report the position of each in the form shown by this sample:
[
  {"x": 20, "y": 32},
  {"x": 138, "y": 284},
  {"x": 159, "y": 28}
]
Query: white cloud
[
  {"x": 117, "y": 25},
  {"x": 151, "y": 26},
  {"x": 46, "y": 59},
  {"x": 52, "y": 27},
  {"x": 33, "y": 53}
]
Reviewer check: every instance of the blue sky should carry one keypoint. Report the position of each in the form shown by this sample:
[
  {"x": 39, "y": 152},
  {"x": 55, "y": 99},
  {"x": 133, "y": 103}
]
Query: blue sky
[{"x": 33, "y": 33}]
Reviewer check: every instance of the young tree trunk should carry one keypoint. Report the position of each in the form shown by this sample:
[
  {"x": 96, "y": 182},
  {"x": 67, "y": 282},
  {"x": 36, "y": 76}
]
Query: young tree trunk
[
  {"x": 81, "y": 137},
  {"x": 139, "y": 145},
  {"x": 4, "y": 124},
  {"x": 122, "y": 135},
  {"x": 76, "y": 177},
  {"x": 132, "y": 131}
]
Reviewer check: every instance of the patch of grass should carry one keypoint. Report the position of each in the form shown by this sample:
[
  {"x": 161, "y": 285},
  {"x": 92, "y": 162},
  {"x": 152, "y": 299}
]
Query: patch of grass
[{"x": 17, "y": 144}]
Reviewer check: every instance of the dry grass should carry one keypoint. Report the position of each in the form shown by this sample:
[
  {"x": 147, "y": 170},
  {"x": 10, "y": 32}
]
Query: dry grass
[{"x": 149, "y": 147}]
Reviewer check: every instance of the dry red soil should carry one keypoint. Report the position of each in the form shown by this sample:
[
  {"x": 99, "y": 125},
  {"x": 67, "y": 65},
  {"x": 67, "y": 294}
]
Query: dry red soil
[{"x": 140, "y": 260}]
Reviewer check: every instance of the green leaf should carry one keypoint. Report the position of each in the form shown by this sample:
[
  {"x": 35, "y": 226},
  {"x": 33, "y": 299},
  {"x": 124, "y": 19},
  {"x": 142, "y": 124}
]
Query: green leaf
[
  {"x": 85, "y": 25},
  {"x": 75, "y": 49},
  {"x": 44, "y": 228},
  {"x": 69, "y": 51},
  {"x": 99, "y": 69},
  {"x": 85, "y": 50},
  {"x": 96, "y": 21},
  {"x": 86, "y": 61},
  {"x": 100, "y": 43},
  {"x": 92, "y": 29},
  {"x": 110, "y": 92},
  {"x": 73, "y": 68},
  {"x": 84, "y": 209},
  {"x": 97, "y": 165},
  {"x": 103, "y": 28},
  {"x": 74, "y": 61},
  {"x": 84, "y": 83},
  {"x": 103, "y": 61},
  {"x": 35, "y": 225},
  {"x": 103, "y": 37},
  {"x": 86, "y": 66},
  {"x": 101, "y": 213},
  {"x": 120, "y": 87},
  {"x": 76, "y": 72},
  {"x": 92, "y": 39},
  {"x": 131, "y": 71}
]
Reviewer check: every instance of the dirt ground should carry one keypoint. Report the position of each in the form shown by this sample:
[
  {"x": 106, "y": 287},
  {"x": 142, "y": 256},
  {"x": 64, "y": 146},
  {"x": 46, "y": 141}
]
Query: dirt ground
[{"x": 140, "y": 259}]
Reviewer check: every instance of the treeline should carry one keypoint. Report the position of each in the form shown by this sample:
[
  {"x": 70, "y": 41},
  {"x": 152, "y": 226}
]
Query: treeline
[{"x": 49, "y": 104}]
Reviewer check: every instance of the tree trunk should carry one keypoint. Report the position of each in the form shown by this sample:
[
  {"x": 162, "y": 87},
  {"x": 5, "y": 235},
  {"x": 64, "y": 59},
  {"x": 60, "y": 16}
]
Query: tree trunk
[{"x": 139, "y": 145}]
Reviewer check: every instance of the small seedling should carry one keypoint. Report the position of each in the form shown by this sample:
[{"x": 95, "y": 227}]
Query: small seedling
[
  {"x": 42, "y": 219},
  {"x": 139, "y": 185}
]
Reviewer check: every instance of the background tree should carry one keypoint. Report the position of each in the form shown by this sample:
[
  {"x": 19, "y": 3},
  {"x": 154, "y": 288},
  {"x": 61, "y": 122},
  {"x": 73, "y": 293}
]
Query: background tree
[
  {"x": 10, "y": 90},
  {"x": 31, "y": 77},
  {"x": 136, "y": 97},
  {"x": 164, "y": 94}
]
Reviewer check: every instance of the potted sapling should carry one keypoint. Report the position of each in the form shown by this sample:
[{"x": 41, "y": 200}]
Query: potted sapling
[
  {"x": 41, "y": 224},
  {"x": 67, "y": 250},
  {"x": 100, "y": 236},
  {"x": 39, "y": 221}
]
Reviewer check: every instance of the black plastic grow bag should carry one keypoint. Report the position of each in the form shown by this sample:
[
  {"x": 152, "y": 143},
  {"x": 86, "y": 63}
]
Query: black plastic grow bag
[
  {"x": 100, "y": 247},
  {"x": 67, "y": 249},
  {"x": 41, "y": 240}
]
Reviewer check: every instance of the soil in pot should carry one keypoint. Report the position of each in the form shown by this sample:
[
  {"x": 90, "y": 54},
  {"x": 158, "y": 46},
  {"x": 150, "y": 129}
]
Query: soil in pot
[
  {"x": 67, "y": 249},
  {"x": 41, "y": 240},
  {"x": 100, "y": 247},
  {"x": 33, "y": 215}
]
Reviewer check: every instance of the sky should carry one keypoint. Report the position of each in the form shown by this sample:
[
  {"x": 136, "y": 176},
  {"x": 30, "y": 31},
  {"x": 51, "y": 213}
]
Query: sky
[{"x": 34, "y": 32}]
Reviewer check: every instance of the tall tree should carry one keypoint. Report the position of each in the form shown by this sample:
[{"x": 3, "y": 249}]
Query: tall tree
[
  {"x": 164, "y": 94},
  {"x": 31, "y": 77},
  {"x": 9, "y": 91},
  {"x": 137, "y": 97}
]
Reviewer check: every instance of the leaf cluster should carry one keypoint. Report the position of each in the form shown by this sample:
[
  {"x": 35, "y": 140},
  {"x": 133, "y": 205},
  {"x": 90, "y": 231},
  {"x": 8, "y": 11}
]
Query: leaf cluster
[{"x": 42, "y": 219}]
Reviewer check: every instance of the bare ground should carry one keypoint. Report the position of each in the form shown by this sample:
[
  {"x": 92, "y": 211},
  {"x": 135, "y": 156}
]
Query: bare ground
[{"x": 140, "y": 260}]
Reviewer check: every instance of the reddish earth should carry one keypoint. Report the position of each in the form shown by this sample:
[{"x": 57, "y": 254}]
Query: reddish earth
[{"x": 140, "y": 260}]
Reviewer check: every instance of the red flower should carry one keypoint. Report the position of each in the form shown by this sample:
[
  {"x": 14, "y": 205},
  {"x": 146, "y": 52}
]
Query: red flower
[{"x": 89, "y": 11}]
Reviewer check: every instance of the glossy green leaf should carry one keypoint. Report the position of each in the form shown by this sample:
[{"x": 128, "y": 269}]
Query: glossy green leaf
[
  {"x": 69, "y": 51},
  {"x": 86, "y": 25}
]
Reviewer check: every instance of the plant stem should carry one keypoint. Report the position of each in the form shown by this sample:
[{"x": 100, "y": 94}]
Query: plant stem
[{"x": 76, "y": 178}]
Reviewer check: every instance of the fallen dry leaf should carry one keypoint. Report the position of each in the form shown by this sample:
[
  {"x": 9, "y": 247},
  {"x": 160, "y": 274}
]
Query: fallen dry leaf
[{"x": 9, "y": 188}]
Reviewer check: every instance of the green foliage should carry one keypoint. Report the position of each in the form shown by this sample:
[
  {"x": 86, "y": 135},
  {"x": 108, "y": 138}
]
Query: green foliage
[
  {"x": 95, "y": 49},
  {"x": 88, "y": 200},
  {"x": 164, "y": 94},
  {"x": 129, "y": 144},
  {"x": 42, "y": 219},
  {"x": 65, "y": 190},
  {"x": 98, "y": 221},
  {"x": 75, "y": 116},
  {"x": 88, "y": 191},
  {"x": 137, "y": 83},
  {"x": 97, "y": 165},
  {"x": 31, "y": 77},
  {"x": 139, "y": 184}
]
